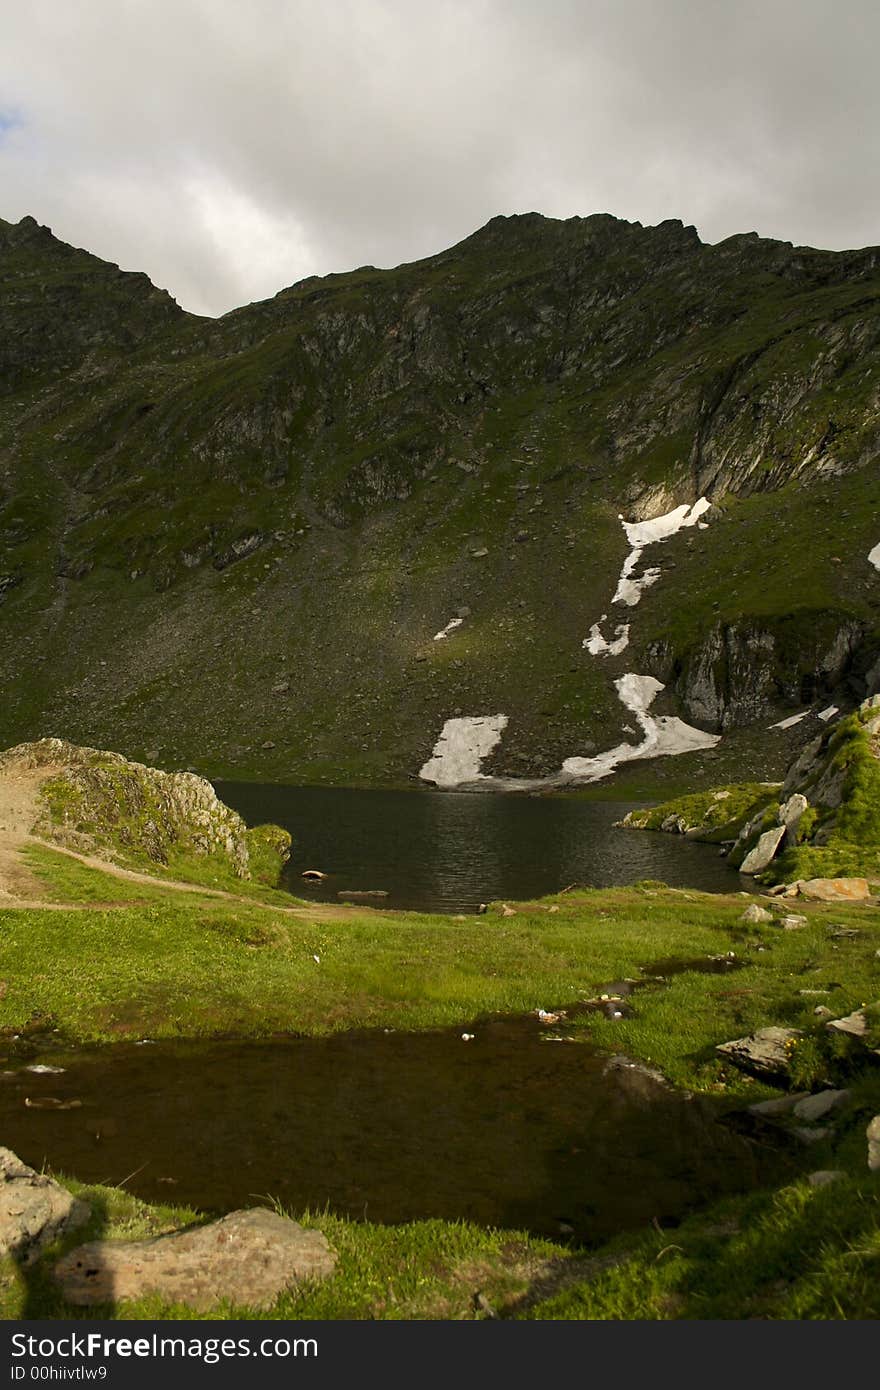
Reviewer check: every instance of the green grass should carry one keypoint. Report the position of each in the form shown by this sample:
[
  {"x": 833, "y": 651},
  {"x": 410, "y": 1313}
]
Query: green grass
[
  {"x": 797, "y": 1253},
  {"x": 794, "y": 1252},
  {"x": 710, "y": 815},
  {"x": 178, "y": 965},
  {"x": 852, "y": 845}
]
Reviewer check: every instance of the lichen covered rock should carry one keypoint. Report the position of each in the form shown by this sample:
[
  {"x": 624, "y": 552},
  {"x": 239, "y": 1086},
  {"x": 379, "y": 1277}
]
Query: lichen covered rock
[{"x": 247, "y": 1258}]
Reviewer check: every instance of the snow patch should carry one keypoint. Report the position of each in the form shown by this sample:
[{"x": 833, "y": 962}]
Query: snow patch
[
  {"x": 461, "y": 747},
  {"x": 829, "y": 713},
  {"x": 874, "y": 557},
  {"x": 660, "y": 528},
  {"x": 643, "y": 533},
  {"x": 450, "y": 627},
  {"x": 663, "y": 736},
  {"x": 596, "y": 644},
  {"x": 791, "y": 721}
]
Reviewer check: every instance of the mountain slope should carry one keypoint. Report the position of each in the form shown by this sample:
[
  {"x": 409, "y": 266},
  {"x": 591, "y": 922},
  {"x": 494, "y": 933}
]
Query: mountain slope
[{"x": 220, "y": 535}]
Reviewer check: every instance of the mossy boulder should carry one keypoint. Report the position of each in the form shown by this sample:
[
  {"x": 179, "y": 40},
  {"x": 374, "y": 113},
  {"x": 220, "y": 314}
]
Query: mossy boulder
[{"x": 96, "y": 800}]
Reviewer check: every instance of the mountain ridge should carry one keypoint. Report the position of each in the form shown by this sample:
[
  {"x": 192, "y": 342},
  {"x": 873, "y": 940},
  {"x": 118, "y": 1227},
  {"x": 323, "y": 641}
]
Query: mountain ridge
[{"x": 337, "y": 458}]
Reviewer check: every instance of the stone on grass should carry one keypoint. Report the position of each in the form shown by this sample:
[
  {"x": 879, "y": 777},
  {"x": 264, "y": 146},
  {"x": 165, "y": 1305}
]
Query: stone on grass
[
  {"x": 811, "y": 1134},
  {"x": 834, "y": 890},
  {"x": 779, "y": 1105},
  {"x": 856, "y": 1024},
  {"x": 760, "y": 856},
  {"x": 873, "y": 1135},
  {"x": 246, "y": 1259},
  {"x": 812, "y": 1108},
  {"x": 34, "y": 1209},
  {"x": 792, "y": 922},
  {"x": 765, "y": 1052},
  {"x": 823, "y": 1176},
  {"x": 754, "y": 913}
]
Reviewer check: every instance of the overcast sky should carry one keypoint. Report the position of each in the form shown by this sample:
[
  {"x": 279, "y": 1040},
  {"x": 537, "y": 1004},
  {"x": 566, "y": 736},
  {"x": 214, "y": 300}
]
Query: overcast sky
[{"x": 231, "y": 147}]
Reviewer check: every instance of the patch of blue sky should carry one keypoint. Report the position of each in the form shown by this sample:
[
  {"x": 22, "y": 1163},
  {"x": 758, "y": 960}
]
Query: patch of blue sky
[{"x": 9, "y": 120}]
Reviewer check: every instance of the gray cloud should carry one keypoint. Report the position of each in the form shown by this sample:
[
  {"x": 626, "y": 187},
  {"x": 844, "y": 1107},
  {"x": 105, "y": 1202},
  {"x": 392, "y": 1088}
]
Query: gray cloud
[{"x": 231, "y": 148}]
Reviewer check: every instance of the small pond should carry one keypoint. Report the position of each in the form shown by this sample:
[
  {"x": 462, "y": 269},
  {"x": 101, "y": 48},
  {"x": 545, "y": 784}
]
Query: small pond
[{"x": 516, "y": 1127}]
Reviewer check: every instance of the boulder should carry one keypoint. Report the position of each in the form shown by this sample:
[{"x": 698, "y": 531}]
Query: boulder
[
  {"x": 812, "y": 1108},
  {"x": 834, "y": 890},
  {"x": 792, "y": 922},
  {"x": 748, "y": 830},
  {"x": 130, "y": 809},
  {"x": 247, "y": 1259},
  {"x": 790, "y": 813},
  {"x": 855, "y": 1024},
  {"x": 762, "y": 853},
  {"x": 763, "y": 1053},
  {"x": 811, "y": 1134},
  {"x": 34, "y": 1209},
  {"x": 754, "y": 913},
  {"x": 779, "y": 1105}
]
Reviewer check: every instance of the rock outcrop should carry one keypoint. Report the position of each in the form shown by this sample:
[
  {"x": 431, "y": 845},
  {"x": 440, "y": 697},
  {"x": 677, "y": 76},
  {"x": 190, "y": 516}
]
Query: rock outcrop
[
  {"x": 819, "y": 831},
  {"x": 93, "y": 799}
]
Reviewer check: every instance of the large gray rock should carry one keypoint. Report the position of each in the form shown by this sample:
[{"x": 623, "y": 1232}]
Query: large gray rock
[
  {"x": 764, "y": 1053},
  {"x": 245, "y": 1259},
  {"x": 855, "y": 1024},
  {"x": 34, "y": 1209},
  {"x": 790, "y": 813},
  {"x": 754, "y": 913},
  {"x": 824, "y": 1176},
  {"x": 812, "y": 1108},
  {"x": 763, "y": 852},
  {"x": 779, "y": 1105},
  {"x": 130, "y": 808}
]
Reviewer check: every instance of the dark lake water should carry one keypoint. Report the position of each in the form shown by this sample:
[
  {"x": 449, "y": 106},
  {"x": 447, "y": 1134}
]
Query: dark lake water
[
  {"x": 443, "y": 852},
  {"x": 510, "y": 1128}
]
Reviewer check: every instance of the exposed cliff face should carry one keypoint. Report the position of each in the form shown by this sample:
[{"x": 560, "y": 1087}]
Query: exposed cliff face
[
  {"x": 195, "y": 514},
  {"x": 741, "y": 671}
]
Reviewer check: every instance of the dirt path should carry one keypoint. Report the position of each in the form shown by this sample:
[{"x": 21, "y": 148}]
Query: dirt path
[
  {"x": 319, "y": 911},
  {"x": 19, "y": 888},
  {"x": 18, "y": 812}
]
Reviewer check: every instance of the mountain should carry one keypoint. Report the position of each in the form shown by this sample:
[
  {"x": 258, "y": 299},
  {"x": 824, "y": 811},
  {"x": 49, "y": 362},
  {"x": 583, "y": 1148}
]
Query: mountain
[{"x": 231, "y": 543}]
